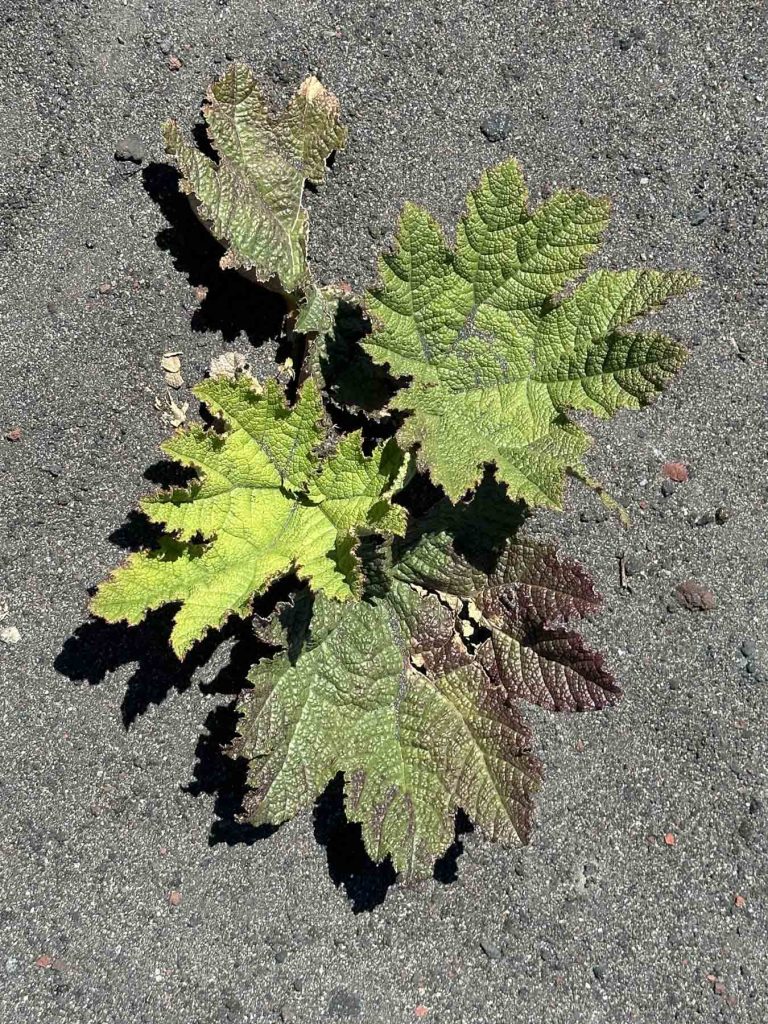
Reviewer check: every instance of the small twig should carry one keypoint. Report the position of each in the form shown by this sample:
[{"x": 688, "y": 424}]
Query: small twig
[{"x": 623, "y": 573}]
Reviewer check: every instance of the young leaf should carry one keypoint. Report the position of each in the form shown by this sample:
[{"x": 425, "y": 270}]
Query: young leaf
[
  {"x": 251, "y": 197},
  {"x": 494, "y": 361},
  {"x": 419, "y": 718},
  {"x": 263, "y": 505}
]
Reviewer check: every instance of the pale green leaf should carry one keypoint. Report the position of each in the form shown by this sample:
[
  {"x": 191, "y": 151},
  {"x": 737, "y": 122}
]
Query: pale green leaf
[
  {"x": 413, "y": 745},
  {"x": 412, "y": 695},
  {"x": 495, "y": 361},
  {"x": 262, "y": 505}
]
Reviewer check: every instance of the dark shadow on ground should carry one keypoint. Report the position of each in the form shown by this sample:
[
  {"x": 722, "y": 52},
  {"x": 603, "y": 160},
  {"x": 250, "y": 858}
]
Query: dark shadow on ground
[
  {"x": 222, "y": 776},
  {"x": 232, "y": 304},
  {"x": 355, "y": 381},
  {"x": 365, "y": 882},
  {"x": 98, "y": 648},
  {"x": 447, "y": 866}
]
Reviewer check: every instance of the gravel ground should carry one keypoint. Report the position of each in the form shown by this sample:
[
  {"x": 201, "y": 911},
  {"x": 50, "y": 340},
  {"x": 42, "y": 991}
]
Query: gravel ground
[{"x": 127, "y": 893}]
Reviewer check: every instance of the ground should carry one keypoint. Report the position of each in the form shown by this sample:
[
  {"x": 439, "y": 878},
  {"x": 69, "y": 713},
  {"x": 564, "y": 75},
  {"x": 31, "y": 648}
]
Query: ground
[{"x": 127, "y": 893}]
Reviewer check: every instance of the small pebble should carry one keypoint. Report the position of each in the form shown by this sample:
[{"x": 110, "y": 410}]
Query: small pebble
[
  {"x": 344, "y": 1004},
  {"x": 633, "y": 565},
  {"x": 705, "y": 519},
  {"x": 667, "y": 488},
  {"x": 698, "y": 216},
  {"x": 496, "y": 127},
  {"x": 746, "y": 830},
  {"x": 490, "y": 949},
  {"x": 677, "y": 472},
  {"x": 695, "y": 597},
  {"x": 130, "y": 147},
  {"x": 170, "y": 363},
  {"x": 748, "y": 649},
  {"x": 10, "y": 635}
]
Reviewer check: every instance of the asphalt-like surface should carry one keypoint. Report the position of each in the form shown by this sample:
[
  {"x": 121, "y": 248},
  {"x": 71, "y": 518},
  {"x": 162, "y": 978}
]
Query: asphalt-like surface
[{"x": 643, "y": 895}]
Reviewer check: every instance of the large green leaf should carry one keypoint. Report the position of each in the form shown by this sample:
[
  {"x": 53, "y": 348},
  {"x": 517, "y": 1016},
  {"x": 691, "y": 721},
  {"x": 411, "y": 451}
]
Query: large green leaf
[
  {"x": 494, "y": 359},
  {"x": 412, "y": 695},
  {"x": 251, "y": 196},
  {"x": 263, "y": 504}
]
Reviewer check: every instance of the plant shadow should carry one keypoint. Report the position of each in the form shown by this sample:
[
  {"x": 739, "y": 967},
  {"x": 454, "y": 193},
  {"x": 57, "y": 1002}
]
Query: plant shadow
[
  {"x": 224, "y": 777},
  {"x": 365, "y": 881},
  {"x": 98, "y": 648},
  {"x": 231, "y": 304}
]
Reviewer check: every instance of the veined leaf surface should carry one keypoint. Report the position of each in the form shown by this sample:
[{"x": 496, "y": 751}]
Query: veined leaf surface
[
  {"x": 413, "y": 695},
  {"x": 251, "y": 196},
  {"x": 263, "y": 505},
  {"x": 494, "y": 362}
]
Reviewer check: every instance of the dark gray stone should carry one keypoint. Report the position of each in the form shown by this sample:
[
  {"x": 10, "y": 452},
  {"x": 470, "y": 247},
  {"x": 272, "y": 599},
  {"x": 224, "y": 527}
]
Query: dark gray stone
[
  {"x": 491, "y": 950},
  {"x": 344, "y": 1005},
  {"x": 130, "y": 148},
  {"x": 496, "y": 127}
]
